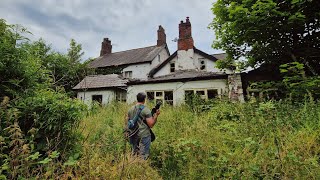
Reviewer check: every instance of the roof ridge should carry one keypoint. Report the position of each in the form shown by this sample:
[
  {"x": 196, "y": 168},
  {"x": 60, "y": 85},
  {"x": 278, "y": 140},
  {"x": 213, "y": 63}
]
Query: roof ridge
[
  {"x": 133, "y": 49},
  {"x": 219, "y": 53}
]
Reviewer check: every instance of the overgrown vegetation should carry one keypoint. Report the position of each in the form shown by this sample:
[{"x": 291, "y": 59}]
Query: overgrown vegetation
[
  {"x": 43, "y": 134},
  {"x": 38, "y": 117},
  {"x": 231, "y": 140}
]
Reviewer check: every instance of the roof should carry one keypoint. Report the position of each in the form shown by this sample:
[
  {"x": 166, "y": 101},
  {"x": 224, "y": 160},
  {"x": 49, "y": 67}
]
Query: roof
[
  {"x": 101, "y": 81},
  {"x": 220, "y": 56},
  {"x": 182, "y": 76},
  {"x": 161, "y": 65},
  {"x": 133, "y": 56}
]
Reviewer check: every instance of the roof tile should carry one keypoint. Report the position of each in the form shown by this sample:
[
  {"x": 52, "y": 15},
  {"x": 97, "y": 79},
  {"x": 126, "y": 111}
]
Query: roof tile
[
  {"x": 133, "y": 56},
  {"x": 101, "y": 81}
]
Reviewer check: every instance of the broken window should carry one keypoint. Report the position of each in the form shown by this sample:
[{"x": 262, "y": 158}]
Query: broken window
[
  {"x": 212, "y": 93},
  {"x": 121, "y": 96},
  {"x": 168, "y": 97},
  {"x": 150, "y": 96},
  {"x": 202, "y": 64},
  {"x": 172, "y": 67},
  {"x": 97, "y": 98},
  {"x": 163, "y": 96},
  {"x": 201, "y": 94}
]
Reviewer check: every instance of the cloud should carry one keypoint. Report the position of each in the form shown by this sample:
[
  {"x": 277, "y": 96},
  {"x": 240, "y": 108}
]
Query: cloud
[{"x": 129, "y": 24}]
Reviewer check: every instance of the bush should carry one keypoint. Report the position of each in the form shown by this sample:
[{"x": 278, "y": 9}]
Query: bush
[{"x": 54, "y": 117}]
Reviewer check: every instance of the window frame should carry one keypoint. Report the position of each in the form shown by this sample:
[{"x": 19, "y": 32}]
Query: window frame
[
  {"x": 121, "y": 96},
  {"x": 97, "y": 95},
  {"x": 127, "y": 74},
  {"x": 172, "y": 69},
  {"x": 161, "y": 97},
  {"x": 205, "y": 95}
]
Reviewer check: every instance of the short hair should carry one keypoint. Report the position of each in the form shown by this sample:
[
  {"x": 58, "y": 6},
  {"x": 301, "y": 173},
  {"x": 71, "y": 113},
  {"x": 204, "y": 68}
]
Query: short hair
[{"x": 141, "y": 96}]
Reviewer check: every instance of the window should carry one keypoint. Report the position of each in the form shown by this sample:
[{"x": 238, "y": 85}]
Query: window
[
  {"x": 97, "y": 98},
  {"x": 163, "y": 96},
  {"x": 202, "y": 93},
  {"x": 121, "y": 96},
  {"x": 150, "y": 96},
  {"x": 158, "y": 57},
  {"x": 168, "y": 97},
  {"x": 212, "y": 93},
  {"x": 172, "y": 67},
  {"x": 159, "y": 96},
  {"x": 128, "y": 74},
  {"x": 202, "y": 63}
]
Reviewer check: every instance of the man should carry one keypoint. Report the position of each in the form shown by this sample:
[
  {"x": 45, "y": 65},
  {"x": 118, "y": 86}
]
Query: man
[{"x": 140, "y": 139}]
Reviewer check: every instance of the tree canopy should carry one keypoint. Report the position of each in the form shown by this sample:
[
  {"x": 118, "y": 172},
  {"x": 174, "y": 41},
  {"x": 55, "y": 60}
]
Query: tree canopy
[{"x": 269, "y": 31}]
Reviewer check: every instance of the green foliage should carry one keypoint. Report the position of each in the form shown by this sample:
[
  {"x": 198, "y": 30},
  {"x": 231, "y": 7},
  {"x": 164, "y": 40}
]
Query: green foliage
[
  {"x": 36, "y": 117},
  {"x": 18, "y": 157},
  {"x": 269, "y": 31},
  {"x": 20, "y": 71},
  {"x": 297, "y": 84},
  {"x": 54, "y": 116}
]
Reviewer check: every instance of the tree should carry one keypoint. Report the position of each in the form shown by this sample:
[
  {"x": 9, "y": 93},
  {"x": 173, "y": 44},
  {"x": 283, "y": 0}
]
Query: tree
[
  {"x": 269, "y": 31},
  {"x": 65, "y": 70},
  {"x": 20, "y": 69}
]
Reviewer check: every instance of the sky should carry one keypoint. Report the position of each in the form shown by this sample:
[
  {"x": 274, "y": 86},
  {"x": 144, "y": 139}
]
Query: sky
[{"x": 129, "y": 24}]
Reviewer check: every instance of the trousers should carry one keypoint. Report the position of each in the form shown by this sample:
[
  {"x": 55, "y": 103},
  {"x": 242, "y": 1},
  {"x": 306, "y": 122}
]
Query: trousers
[{"x": 140, "y": 146}]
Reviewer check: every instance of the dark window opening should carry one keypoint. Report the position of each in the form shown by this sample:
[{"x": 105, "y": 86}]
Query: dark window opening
[
  {"x": 159, "y": 94},
  {"x": 97, "y": 98},
  {"x": 172, "y": 67},
  {"x": 168, "y": 97},
  {"x": 202, "y": 65},
  {"x": 212, "y": 93},
  {"x": 150, "y": 96},
  {"x": 200, "y": 93}
]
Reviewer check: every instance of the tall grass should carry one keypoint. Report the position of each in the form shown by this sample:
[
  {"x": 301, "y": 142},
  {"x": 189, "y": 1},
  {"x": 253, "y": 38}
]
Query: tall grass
[{"x": 272, "y": 140}]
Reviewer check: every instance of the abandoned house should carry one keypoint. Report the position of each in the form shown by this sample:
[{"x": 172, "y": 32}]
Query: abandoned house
[{"x": 163, "y": 77}]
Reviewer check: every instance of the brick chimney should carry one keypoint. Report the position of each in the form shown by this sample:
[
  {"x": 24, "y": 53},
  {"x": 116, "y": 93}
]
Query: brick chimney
[
  {"x": 185, "y": 40},
  {"x": 161, "y": 36},
  {"x": 106, "y": 47}
]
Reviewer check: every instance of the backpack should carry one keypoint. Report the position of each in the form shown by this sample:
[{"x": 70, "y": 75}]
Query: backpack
[{"x": 132, "y": 123}]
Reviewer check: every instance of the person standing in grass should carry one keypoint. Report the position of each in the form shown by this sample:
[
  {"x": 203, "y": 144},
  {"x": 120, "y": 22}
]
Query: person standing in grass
[{"x": 140, "y": 138}]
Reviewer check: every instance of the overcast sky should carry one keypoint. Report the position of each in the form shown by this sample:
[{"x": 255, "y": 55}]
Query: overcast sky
[{"x": 128, "y": 23}]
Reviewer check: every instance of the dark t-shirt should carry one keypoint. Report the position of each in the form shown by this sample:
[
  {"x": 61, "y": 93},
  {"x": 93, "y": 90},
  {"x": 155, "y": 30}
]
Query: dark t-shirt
[{"x": 144, "y": 130}]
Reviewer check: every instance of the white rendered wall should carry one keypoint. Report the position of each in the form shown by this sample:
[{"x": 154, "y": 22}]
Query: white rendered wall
[
  {"x": 210, "y": 65},
  {"x": 86, "y": 97},
  {"x": 190, "y": 60},
  {"x": 178, "y": 88},
  {"x": 139, "y": 71},
  {"x": 163, "y": 56}
]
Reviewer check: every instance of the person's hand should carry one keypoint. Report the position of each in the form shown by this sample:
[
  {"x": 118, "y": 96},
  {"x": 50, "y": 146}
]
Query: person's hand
[{"x": 158, "y": 112}]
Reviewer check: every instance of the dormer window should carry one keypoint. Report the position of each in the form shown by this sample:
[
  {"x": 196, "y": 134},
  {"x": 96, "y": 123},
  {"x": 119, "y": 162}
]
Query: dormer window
[
  {"x": 127, "y": 74},
  {"x": 202, "y": 63},
  {"x": 172, "y": 67}
]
